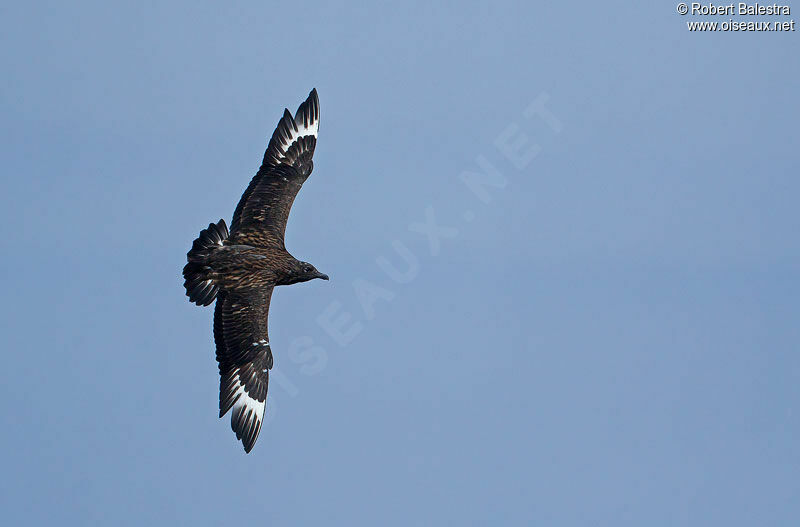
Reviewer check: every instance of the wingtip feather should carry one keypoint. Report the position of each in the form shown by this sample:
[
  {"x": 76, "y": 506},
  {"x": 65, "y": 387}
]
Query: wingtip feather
[{"x": 295, "y": 136}]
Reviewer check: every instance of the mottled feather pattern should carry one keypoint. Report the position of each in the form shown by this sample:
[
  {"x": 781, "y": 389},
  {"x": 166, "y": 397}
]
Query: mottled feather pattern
[{"x": 264, "y": 216}]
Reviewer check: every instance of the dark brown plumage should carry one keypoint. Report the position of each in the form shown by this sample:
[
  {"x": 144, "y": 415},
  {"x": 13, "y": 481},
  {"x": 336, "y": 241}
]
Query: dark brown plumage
[{"x": 241, "y": 268}]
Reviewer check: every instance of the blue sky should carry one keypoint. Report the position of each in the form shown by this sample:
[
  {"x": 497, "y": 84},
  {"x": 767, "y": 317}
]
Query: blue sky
[{"x": 603, "y": 331}]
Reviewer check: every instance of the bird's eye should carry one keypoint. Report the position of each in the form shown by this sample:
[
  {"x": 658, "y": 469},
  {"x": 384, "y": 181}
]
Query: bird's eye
[{"x": 307, "y": 270}]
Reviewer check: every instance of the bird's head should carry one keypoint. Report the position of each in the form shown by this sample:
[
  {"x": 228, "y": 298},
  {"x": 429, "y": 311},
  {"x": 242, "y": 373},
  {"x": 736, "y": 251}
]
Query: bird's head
[{"x": 302, "y": 272}]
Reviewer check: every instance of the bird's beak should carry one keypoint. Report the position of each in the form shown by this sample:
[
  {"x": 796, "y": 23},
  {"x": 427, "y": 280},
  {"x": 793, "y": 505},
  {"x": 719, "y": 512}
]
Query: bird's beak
[{"x": 323, "y": 276}]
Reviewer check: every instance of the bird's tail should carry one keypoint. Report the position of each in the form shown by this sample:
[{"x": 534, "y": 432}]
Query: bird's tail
[{"x": 200, "y": 288}]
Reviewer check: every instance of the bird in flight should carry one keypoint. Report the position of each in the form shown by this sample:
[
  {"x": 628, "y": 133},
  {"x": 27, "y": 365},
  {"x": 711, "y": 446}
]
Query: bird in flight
[{"x": 240, "y": 268}]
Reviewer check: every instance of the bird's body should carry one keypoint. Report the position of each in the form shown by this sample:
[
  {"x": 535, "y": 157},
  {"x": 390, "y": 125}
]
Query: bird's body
[{"x": 241, "y": 267}]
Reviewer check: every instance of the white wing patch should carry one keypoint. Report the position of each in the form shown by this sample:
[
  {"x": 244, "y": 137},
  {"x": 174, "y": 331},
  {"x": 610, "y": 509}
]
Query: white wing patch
[
  {"x": 299, "y": 130},
  {"x": 247, "y": 411},
  {"x": 292, "y": 130}
]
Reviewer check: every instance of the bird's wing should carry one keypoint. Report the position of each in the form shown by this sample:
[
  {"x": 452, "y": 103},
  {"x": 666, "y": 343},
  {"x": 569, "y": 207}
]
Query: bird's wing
[
  {"x": 261, "y": 215},
  {"x": 245, "y": 358}
]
